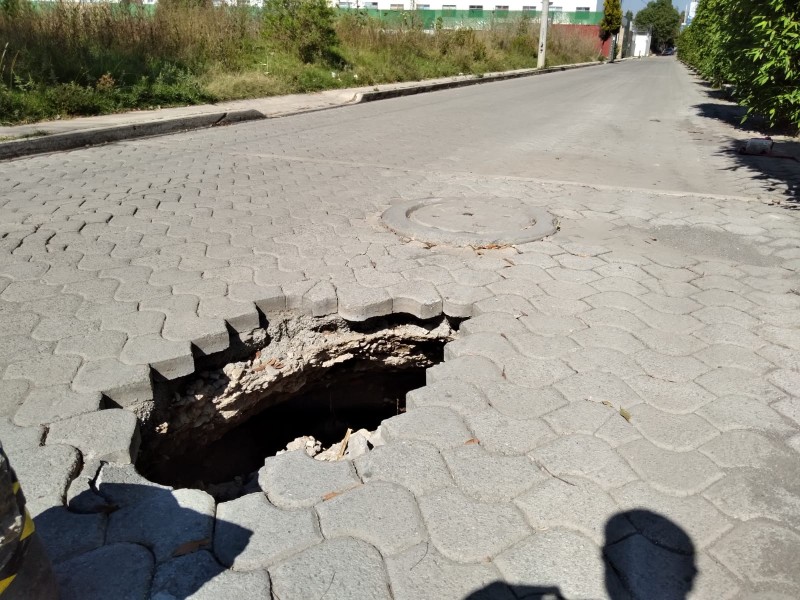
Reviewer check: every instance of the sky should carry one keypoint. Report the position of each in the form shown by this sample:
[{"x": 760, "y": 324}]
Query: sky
[{"x": 637, "y": 5}]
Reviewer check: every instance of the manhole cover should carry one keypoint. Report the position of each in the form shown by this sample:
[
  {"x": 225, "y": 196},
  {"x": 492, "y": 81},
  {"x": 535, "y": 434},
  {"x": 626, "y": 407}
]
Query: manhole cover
[{"x": 469, "y": 221}]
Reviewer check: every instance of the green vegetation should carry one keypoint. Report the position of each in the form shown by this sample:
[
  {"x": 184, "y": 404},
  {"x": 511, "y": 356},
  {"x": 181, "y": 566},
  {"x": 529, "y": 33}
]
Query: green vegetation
[
  {"x": 69, "y": 58},
  {"x": 611, "y": 23},
  {"x": 663, "y": 19},
  {"x": 756, "y": 47}
]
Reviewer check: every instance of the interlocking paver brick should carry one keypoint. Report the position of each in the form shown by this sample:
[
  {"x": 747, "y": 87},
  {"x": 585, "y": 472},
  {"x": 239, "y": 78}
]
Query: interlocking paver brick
[
  {"x": 294, "y": 479},
  {"x": 474, "y": 369},
  {"x": 422, "y": 573},
  {"x": 44, "y": 473},
  {"x": 381, "y": 513},
  {"x": 584, "y": 456},
  {"x": 508, "y": 435},
  {"x": 467, "y": 531},
  {"x": 542, "y": 324},
  {"x": 700, "y": 520},
  {"x": 676, "y": 473},
  {"x": 670, "y": 397},
  {"x": 522, "y": 402},
  {"x": 670, "y": 368},
  {"x": 199, "y": 576},
  {"x": 677, "y": 432},
  {"x": 164, "y": 522},
  {"x": 747, "y": 448},
  {"x": 125, "y": 384},
  {"x": 557, "y": 555},
  {"x": 66, "y": 534},
  {"x": 108, "y": 435},
  {"x": 418, "y": 298},
  {"x": 607, "y": 337},
  {"x": 171, "y": 359},
  {"x": 103, "y": 572},
  {"x": 340, "y": 567},
  {"x": 461, "y": 396},
  {"x": 250, "y": 533},
  {"x": 727, "y": 381},
  {"x": 48, "y": 404},
  {"x": 415, "y": 465},
  {"x": 590, "y": 507},
  {"x": 494, "y": 346},
  {"x": 436, "y": 425},
  {"x": 762, "y": 552},
  {"x": 44, "y": 370},
  {"x": 488, "y": 477}
]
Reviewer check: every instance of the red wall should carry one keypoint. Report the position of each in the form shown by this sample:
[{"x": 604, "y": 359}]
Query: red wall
[{"x": 589, "y": 31}]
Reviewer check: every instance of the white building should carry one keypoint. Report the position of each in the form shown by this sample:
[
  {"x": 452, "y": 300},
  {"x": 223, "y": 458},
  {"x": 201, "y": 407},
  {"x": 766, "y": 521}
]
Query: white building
[{"x": 488, "y": 5}]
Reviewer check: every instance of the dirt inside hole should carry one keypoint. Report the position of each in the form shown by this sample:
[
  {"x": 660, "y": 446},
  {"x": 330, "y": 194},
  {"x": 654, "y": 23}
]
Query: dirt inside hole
[
  {"x": 314, "y": 378},
  {"x": 359, "y": 399}
]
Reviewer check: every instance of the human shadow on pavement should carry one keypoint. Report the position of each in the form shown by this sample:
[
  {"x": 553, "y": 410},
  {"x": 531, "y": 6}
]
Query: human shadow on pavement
[
  {"x": 653, "y": 560},
  {"x": 128, "y": 540}
]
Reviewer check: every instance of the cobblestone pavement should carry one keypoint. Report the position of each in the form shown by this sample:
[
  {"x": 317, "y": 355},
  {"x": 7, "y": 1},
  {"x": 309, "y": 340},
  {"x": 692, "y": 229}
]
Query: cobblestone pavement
[{"x": 619, "y": 416}]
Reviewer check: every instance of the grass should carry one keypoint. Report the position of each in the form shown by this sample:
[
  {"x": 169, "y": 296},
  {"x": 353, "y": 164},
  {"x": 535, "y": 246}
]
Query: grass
[{"x": 68, "y": 59}]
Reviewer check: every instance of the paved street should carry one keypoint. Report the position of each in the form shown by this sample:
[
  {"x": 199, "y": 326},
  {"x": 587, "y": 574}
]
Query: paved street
[{"x": 619, "y": 416}]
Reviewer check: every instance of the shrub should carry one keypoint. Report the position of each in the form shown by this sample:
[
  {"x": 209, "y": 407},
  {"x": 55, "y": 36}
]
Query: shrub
[
  {"x": 756, "y": 47},
  {"x": 307, "y": 26}
]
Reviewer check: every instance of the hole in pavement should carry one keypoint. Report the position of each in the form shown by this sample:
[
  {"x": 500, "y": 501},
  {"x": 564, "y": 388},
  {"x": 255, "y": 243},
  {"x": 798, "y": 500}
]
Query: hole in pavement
[{"x": 314, "y": 377}]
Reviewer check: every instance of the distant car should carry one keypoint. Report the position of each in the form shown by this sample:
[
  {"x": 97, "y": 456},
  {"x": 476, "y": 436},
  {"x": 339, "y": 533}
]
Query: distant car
[{"x": 668, "y": 52}]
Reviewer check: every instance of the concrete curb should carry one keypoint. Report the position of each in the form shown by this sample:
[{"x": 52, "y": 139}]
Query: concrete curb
[
  {"x": 102, "y": 135},
  {"x": 446, "y": 85}
]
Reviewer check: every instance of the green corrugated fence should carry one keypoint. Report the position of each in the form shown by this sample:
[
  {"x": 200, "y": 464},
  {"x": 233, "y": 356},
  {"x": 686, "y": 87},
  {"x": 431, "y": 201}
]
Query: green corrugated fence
[{"x": 475, "y": 19}]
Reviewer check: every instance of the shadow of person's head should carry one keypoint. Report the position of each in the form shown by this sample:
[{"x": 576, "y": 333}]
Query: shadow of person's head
[
  {"x": 645, "y": 555},
  {"x": 656, "y": 562}
]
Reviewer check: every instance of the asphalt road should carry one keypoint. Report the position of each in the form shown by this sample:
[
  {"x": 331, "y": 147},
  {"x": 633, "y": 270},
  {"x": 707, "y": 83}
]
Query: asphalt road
[{"x": 627, "y": 124}]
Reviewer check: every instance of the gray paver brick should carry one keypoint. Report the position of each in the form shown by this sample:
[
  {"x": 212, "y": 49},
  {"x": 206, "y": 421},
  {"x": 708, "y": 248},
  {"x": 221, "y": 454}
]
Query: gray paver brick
[
  {"x": 583, "y": 506},
  {"x": 677, "y": 473},
  {"x": 250, "y": 533},
  {"x": 727, "y": 381},
  {"x": 381, "y": 513},
  {"x": 742, "y": 412},
  {"x": 670, "y": 397},
  {"x": 294, "y": 479},
  {"x": 598, "y": 387},
  {"x": 44, "y": 474},
  {"x": 198, "y": 576},
  {"x": 557, "y": 556},
  {"x": 164, "y": 522},
  {"x": 93, "y": 345},
  {"x": 502, "y": 434},
  {"x": 341, "y": 568},
  {"x": 125, "y": 384},
  {"x": 762, "y": 552},
  {"x": 422, "y": 573},
  {"x": 415, "y": 465},
  {"x": 121, "y": 571},
  {"x": 461, "y": 396},
  {"x": 523, "y": 402},
  {"x": 436, "y": 425},
  {"x": 488, "y": 477},
  {"x": 700, "y": 522},
  {"x": 608, "y": 337},
  {"x": 676, "y": 432},
  {"x": 359, "y": 303},
  {"x": 584, "y": 456},
  {"x": 43, "y": 371},
  {"x": 170, "y": 359},
  {"x": 16, "y": 438},
  {"x": 48, "y": 404},
  {"x": 66, "y": 534},
  {"x": 467, "y": 531},
  {"x": 109, "y": 435},
  {"x": 747, "y": 448}
]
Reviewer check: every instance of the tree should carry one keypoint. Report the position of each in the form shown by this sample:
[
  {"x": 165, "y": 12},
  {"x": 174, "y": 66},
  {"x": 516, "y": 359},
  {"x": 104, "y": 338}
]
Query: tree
[
  {"x": 612, "y": 19},
  {"x": 663, "y": 21},
  {"x": 611, "y": 23}
]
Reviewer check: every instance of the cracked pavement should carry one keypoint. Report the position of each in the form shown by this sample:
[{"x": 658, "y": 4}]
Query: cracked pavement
[{"x": 619, "y": 416}]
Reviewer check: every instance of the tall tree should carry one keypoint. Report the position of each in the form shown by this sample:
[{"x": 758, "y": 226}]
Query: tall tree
[
  {"x": 611, "y": 22},
  {"x": 612, "y": 19},
  {"x": 662, "y": 19}
]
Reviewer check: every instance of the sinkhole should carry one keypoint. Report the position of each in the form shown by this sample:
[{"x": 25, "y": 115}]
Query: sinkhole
[{"x": 301, "y": 382}]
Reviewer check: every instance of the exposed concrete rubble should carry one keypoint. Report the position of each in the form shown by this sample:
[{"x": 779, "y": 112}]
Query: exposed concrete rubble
[{"x": 300, "y": 351}]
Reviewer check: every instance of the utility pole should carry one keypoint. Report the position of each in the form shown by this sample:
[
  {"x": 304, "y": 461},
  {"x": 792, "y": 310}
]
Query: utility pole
[{"x": 543, "y": 34}]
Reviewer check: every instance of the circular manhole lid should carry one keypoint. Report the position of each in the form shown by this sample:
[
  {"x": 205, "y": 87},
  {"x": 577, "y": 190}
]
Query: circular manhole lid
[{"x": 470, "y": 221}]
